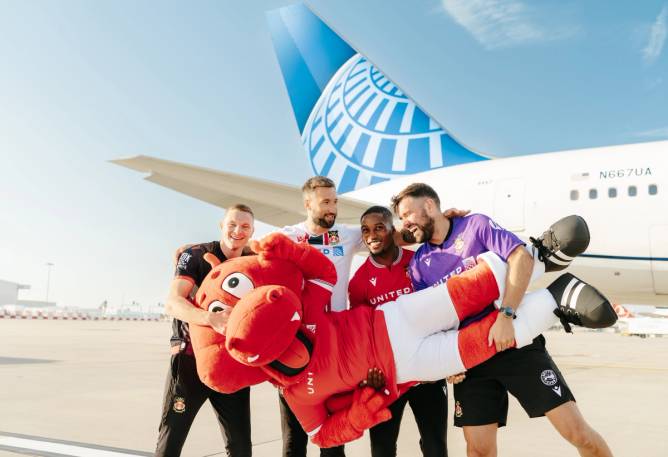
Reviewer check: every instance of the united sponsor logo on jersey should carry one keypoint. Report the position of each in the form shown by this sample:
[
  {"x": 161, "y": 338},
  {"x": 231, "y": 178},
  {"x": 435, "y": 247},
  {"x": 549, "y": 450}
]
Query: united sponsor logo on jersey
[
  {"x": 459, "y": 244},
  {"x": 427, "y": 261},
  {"x": 338, "y": 251},
  {"x": 310, "y": 383},
  {"x": 373, "y": 281},
  {"x": 389, "y": 296}
]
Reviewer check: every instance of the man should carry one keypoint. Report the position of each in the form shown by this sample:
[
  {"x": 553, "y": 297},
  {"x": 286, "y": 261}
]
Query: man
[
  {"x": 339, "y": 242},
  {"x": 481, "y": 400},
  {"x": 184, "y": 392},
  {"x": 384, "y": 277}
]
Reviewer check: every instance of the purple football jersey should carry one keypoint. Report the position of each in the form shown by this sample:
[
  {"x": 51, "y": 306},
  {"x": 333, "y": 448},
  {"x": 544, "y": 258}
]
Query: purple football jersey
[{"x": 468, "y": 237}]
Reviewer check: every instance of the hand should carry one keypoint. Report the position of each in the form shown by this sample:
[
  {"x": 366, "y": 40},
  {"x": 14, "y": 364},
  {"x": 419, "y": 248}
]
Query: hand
[
  {"x": 180, "y": 251},
  {"x": 456, "y": 378},
  {"x": 502, "y": 333},
  {"x": 374, "y": 379},
  {"x": 454, "y": 212},
  {"x": 368, "y": 409},
  {"x": 218, "y": 320}
]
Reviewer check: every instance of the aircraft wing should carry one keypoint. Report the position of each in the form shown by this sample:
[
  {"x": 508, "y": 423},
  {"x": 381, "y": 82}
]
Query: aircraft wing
[{"x": 274, "y": 203}]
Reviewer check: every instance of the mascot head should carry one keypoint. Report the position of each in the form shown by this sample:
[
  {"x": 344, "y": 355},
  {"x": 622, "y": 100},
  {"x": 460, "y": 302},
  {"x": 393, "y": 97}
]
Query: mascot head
[{"x": 264, "y": 294}]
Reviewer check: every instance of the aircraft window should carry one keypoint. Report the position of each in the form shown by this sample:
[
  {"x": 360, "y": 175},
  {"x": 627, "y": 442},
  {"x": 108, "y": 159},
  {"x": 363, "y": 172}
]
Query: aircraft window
[
  {"x": 593, "y": 193},
  {"x": 633, "y": 191},
  {"x": 575, "y": 195},
  {"x": 653, "y": 190},
  {"x": 612, "y": 192}
]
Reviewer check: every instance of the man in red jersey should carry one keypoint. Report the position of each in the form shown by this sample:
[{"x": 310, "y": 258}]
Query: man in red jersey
[{"x": 383, "y": 277}]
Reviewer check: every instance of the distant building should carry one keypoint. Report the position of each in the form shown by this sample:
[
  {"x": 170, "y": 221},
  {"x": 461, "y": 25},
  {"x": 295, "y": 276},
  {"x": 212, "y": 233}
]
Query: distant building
[{"x": 9, "y": 292}]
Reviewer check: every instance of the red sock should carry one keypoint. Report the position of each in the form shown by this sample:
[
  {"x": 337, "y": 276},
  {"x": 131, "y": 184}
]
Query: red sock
[{"x": 472, "y": 290}]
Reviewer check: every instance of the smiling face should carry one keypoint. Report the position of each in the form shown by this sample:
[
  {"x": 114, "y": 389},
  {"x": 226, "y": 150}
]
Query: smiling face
[
  {"x": 320, "y": 205},
  {"x": 415, "y": 217},
  {"x": 236, "y": 229},
  {"x": 377, "y": 233}
]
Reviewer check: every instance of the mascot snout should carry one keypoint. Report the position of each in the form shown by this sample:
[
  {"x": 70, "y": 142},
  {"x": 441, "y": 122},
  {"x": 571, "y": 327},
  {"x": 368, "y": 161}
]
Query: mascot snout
[{"x": 263, "y": 324}]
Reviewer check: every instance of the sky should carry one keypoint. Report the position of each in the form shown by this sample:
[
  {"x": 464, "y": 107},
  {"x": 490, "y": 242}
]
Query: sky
[{"x": 84, "y": 82}]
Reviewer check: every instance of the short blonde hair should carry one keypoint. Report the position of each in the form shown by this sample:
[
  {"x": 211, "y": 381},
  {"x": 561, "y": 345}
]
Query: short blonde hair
[{"x": 243, "y": 208}]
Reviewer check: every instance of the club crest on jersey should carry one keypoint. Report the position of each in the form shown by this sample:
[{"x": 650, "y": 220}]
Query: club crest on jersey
[
  {"x": 459, "y": 243},
  {"x": 458, "y": 409},
  {"x": 333, "y": 236},
  {"x": 373, "y": 281}
]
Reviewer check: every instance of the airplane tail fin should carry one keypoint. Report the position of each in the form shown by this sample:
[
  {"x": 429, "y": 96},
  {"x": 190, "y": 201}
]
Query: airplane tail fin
[{"x": 357, "y": 126}]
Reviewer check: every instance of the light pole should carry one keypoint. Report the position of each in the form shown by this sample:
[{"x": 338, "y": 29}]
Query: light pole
[{"x": 48, "y": 279}]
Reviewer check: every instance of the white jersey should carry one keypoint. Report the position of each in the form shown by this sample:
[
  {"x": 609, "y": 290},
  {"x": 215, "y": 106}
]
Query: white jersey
[{"x": 339, "y": 244}]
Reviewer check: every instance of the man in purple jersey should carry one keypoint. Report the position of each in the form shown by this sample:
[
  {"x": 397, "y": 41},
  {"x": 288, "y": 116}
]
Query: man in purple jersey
[{"x": 481, "y": 400}]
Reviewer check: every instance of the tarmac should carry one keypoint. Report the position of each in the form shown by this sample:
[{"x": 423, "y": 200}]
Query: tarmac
[{"x": 94, "y": 388}]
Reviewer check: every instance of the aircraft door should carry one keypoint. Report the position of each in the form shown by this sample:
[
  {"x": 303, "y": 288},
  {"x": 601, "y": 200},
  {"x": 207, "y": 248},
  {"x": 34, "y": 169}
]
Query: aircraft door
[
  {"x": 509, "y": 204},
  {"x": 658, "y": 248}
]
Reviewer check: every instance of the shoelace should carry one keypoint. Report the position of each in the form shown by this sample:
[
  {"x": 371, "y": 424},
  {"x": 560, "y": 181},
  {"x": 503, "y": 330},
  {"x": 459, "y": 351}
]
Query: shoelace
[
  {"x": 566, "y": 317},
  {"x": 545, "y": 245}
]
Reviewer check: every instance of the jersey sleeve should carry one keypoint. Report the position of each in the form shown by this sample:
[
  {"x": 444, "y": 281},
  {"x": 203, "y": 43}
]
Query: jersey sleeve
[
  {"x": 355, "y": 236},
  {"x": 311, "y": 417},
  {"x": 291, "y": 232},
  {"x": 495, "y": 238},
  {"x": 189, "y": 266},
  {"x": 414, "y": 274},
  {"x": 357, "y": 295}
]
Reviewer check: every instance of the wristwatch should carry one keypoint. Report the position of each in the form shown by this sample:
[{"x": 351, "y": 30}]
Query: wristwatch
[{"x": 507, "y": 311}]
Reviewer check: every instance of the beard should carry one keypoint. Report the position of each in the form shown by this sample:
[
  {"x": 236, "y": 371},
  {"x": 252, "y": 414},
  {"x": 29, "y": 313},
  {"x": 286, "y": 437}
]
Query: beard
[
  {"x": 323, "y": 222},
  {"x": 425, "y": 232}
]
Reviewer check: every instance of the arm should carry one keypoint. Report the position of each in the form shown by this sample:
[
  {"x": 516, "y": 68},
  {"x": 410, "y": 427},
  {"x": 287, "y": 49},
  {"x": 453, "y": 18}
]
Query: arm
[
  {"x": 520, "y": 266},
  {"x": 179, "y": 307}
]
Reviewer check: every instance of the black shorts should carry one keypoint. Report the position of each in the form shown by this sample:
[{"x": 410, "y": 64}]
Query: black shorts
[{"x": 529, "y": 374}]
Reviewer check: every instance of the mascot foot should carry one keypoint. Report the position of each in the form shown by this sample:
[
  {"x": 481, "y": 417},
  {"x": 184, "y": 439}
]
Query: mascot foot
[
  {"x": 562, "y": 242},
  {"x": 580, "y": 304}
]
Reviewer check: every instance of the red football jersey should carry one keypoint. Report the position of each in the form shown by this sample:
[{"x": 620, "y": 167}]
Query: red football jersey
[{"x": 374, "y": 284}]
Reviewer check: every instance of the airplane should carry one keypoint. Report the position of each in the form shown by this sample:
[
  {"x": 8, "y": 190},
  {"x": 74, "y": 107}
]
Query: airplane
[{"x": 367, "y": 135}]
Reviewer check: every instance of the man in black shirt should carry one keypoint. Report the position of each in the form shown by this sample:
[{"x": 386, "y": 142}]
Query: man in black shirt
[{"x": 184, "y": 392}]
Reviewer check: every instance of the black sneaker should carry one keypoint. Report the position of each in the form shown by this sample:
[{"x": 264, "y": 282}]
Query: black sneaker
[
  {"x": 562, "y": 242},
  {"x": 580, "y": 304}
]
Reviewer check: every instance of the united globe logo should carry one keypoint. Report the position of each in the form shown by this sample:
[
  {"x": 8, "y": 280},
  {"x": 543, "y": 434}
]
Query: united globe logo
[{"x": 364, "y": 130}]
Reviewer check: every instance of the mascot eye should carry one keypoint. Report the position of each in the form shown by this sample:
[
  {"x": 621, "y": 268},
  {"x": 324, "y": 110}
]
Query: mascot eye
[
  {"x": 217, "y": 306},
  {"x": 237, "y": 284}
]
